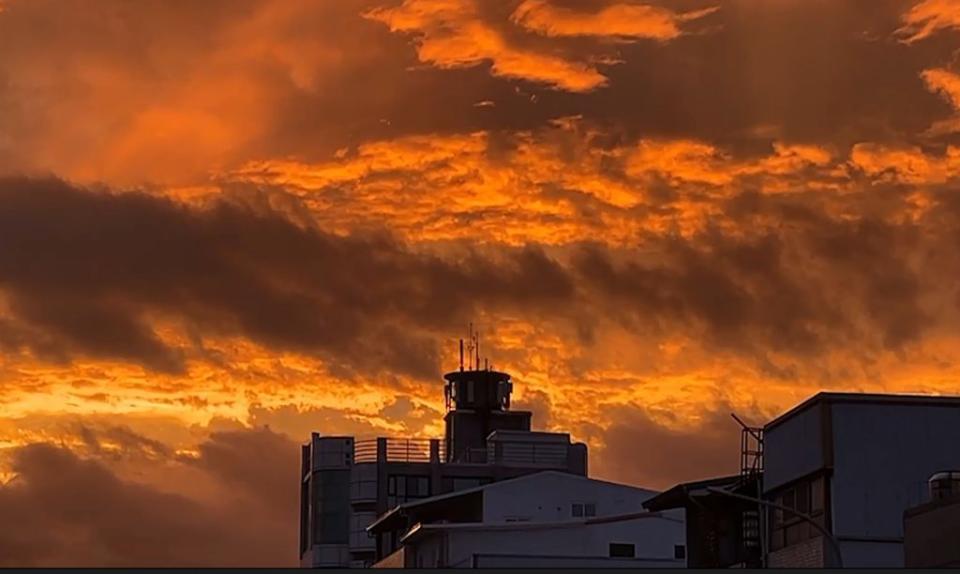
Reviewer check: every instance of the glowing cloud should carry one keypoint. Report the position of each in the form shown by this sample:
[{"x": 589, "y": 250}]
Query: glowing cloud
[
  {"x": 928, "y": 17},
  {"x": 451, "y": 34},
  {"x": 625, "y": 20},
  {"x": 947, "y": 84}
]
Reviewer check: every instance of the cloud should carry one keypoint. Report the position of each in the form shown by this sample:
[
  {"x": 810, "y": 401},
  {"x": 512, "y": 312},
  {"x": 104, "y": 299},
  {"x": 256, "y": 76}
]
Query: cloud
[
  {"x": 451, "y": 34},
  {"x": 132, "y": 104},
  {"x": 928, "y": 17},
  {"x": 87, "y": 269},
  {"x": 74, "y": 511},
  {"x": 568, "y": 182},
  {"x": 907, "y": 165},
  {"x": 618, "y": 20},
  {"x": 947, "y": 84},
  {"x": 656, "y": 453}
]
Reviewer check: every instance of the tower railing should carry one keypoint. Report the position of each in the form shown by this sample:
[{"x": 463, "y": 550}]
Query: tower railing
[{"x": 395, "y": 449}]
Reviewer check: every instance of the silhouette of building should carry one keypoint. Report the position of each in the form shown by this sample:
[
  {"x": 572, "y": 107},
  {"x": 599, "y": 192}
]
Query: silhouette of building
[
  {"x": 347, "y": 483},
  {"x": 931, "y": 531},
  {"x": 836, "y": 474},
  {"x": 715, "y": 536},
  {"x": 541, "y": 520}
]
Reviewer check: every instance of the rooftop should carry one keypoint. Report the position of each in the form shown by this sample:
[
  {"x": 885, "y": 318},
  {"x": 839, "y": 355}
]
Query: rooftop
[
  {"x": 866, "y": 398},
  {"x": 395, "y": 513},
  {"x": 678, "y": 496}
]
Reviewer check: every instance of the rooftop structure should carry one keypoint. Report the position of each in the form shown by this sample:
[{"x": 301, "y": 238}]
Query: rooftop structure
[
  {"x": 347, "y": 483},
  {"x": 930, "y": 530}
]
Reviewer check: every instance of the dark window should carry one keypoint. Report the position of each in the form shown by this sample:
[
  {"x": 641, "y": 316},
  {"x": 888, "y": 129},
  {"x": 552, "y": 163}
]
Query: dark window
[
  {"x": 590, "y": 509},
  {"x": 402, "y": 488},
  {"x": 577, "y": 510},
  {"x": 806, "y": 498},
  {"x": 816, "y": 495},
  {"x": 621, "y": 550},
  {"x": 331, "y": 507},
  {"x": 679, "y": 551}
]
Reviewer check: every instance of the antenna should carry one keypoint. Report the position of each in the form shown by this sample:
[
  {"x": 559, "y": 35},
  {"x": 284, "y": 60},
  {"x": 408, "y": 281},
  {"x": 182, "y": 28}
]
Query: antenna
[
  {"x": 478, "y": 349},
  {"x": 470, "y": 347},
  {"x": 461, "y": 355}
]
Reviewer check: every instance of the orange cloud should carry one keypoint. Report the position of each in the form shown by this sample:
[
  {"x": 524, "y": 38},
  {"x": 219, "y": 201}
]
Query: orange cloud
[
  {"x": 132, "y": 105},
  {"x": 947, "y": 84},
  {"x": 909, "y": 165},
  {"x": 624, "y": 20},
  {"x": 451, "y": 34},
  {"x": 928, "y": 17},
  {"x": 688, "y": 161},
  {"x": 426, "y": 186}
]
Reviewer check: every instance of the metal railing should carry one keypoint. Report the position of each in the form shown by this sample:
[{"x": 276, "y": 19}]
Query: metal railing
[
  {"x": 396, "y": 450},
  {"x": 365, "y": 450}
]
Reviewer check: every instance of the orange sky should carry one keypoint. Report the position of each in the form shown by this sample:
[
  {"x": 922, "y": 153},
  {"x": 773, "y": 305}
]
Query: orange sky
[{"x": 221, "y": 216}]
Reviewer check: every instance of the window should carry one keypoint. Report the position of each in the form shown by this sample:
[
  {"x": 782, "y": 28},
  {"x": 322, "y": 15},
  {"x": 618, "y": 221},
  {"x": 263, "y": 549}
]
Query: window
[
  {"x": 679, "y": 551},
  {"x": 807, "y": 497},
  {"x": 401, "y": 488},
  {"x": 583, "y": 509},
  {"x": 331, "y": 507},
  {"x": 621, "y": 550}
]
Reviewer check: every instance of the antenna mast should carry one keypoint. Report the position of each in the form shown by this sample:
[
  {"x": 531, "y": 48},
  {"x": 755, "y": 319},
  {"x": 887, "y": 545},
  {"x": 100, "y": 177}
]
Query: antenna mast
[
  {"x": 470, "y": 348},
  {"x": 477, "y": 335}
]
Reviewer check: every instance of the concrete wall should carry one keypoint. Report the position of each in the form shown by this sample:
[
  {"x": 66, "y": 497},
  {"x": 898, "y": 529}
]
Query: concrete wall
[
  {"x": 793, "y": 448},
  {"x": 547, "y": 497},
  {"x": 883, "y": 456},
  {"x": 654, "y": 540},
  {"x": 932, "y": 537}
]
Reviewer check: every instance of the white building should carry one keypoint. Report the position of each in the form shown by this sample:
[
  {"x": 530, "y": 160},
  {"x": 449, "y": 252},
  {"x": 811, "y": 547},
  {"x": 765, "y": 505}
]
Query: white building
[
  {"x": 854, "y": 463},
  {"x": 547, "y": 519}
]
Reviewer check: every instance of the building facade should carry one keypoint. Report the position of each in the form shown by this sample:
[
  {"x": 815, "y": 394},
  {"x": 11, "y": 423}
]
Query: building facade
[
  {"x": 347, "y": 483},
  {"x": 853, "y": 463},
  {"x": 828, "y": 485},
  {"x": 541, "y": 520}
]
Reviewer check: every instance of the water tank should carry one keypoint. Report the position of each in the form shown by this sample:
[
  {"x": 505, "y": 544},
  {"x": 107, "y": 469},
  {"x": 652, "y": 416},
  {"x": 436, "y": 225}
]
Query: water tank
[{"x": 944, "y": 484}]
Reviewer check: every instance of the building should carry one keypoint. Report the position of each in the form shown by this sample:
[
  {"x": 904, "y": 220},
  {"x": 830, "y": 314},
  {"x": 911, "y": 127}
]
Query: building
[
  {"x": 836, "y": 474},
  {"x": 721, "y": 531},
  {"x": 853, "y": 463},
  {"x": 346, "y": 483},
  {"x": 931, "y": 531},
  {"x": 547, "y": 519}
]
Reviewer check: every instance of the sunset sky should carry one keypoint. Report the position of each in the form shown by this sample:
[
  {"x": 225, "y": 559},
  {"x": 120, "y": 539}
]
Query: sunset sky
[{"x": 225, "y": 224}]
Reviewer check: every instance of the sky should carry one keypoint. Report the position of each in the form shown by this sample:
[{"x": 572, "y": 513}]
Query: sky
[{"x": 227, "y": 224}]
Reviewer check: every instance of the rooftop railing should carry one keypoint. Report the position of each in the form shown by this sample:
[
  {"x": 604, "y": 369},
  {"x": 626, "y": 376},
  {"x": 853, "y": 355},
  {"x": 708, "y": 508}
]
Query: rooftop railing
[
  {"x": 513, "y": 453},
  {"x": 396, "y": 450}
]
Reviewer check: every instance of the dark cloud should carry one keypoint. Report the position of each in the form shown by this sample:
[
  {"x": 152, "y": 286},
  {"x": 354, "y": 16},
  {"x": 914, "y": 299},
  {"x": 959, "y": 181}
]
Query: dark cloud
[
  {"x": 86, "y": 268},
  {"x": 72, "y": 511},
  {"x": 639, "y": 450},
  {"x": 805, "y": 285},
  {"x": 85, "y": 271}
]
